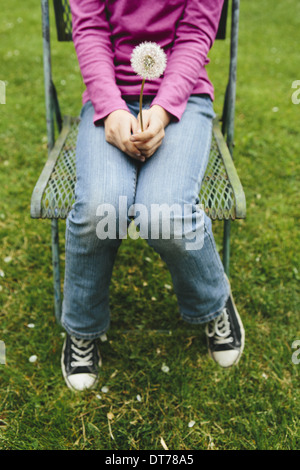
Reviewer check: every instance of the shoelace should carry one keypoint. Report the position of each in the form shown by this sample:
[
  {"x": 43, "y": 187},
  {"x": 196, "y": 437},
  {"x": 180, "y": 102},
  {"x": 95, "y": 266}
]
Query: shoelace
[
  {"x": 220, "y": 329},
  {"x": 82, "y": 352}
]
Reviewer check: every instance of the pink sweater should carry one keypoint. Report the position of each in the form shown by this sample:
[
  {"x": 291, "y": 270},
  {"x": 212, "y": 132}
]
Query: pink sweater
[{"x": 106, "y": 31}]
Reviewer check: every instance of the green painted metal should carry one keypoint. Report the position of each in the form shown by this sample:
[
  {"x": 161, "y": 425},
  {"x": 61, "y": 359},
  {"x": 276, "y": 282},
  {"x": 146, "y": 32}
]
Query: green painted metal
[
  {"x": 47, "y": 73},
  {"x": 48, "y": 179},
  {"x": 50, "y": 100},
  {"x": 226, "y": 246},
  {"x": 239, "y": 195},
  {"x": 56, "y": 269},
  {"x": 228, "y": 121}
]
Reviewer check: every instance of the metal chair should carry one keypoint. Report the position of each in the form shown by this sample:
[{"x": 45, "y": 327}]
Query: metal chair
[{"x": 221, "y": 194}]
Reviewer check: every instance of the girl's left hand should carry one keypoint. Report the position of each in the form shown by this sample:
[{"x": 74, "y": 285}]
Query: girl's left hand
[{"x": 155, "y": 120}]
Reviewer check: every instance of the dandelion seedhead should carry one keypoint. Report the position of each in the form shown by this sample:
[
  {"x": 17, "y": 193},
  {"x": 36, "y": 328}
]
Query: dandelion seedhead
[{"x": 148, "y": 60}]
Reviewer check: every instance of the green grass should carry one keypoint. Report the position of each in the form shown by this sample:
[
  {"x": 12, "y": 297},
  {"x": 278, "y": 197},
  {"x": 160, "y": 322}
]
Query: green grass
[{"x": 252, "y": 406}]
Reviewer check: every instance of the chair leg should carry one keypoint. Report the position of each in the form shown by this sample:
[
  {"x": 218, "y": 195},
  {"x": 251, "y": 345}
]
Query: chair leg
[
  {"x": 226, "y": 246},
  {"x": 56, "y": 269}
]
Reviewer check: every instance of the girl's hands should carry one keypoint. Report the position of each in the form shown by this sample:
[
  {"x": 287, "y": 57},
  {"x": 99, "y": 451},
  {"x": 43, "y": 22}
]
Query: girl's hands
[
  {"x": 119, "y": 126},
  {"x": 123, "y": 131},
  {"x": 155, "y": 120}
]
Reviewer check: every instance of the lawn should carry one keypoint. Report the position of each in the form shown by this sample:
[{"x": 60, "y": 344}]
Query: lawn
[{"x": 158, "y": 386}]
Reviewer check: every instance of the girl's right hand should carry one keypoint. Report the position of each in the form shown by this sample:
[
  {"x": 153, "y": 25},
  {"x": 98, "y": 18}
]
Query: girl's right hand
[{"x": 119, "y": 126}]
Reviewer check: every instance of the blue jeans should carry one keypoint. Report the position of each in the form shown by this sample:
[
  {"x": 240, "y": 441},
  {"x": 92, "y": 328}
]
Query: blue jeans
[{"x": 173, "y": 175}]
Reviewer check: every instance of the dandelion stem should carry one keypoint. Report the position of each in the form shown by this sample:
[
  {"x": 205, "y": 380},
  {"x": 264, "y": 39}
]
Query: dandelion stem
[{"x": 141, "y": 103}]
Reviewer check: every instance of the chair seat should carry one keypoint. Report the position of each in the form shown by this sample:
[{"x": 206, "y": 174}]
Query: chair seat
[{"x": 221, "y": 194}]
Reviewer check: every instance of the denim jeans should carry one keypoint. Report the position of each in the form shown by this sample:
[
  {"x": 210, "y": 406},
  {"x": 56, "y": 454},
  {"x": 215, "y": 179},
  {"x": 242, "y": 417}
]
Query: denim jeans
[{"x": 173, "y": 175}]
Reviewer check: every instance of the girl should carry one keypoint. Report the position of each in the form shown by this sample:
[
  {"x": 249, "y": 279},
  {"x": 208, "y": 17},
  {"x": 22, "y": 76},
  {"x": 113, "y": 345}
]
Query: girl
[{"x": 162, "y": 165}]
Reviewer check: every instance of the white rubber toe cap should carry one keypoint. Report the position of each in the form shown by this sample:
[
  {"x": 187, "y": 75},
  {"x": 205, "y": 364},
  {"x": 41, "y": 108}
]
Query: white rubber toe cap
[
  {"x": 226, "y": 358},
  {"x": 81, "y": 382}
]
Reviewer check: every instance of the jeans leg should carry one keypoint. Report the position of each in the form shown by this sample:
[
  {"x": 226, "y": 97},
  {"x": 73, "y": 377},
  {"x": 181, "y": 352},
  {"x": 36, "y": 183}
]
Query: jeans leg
[
  {"x": 173, "y": 176},
  {"x": 103, "y": 174}
]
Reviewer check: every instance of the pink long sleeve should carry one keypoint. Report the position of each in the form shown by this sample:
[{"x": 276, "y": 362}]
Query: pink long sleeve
[
  {"x": 105, "y": 33},
  {"x": 185, "y": 73},
  {"x": 91, "y": 36}
]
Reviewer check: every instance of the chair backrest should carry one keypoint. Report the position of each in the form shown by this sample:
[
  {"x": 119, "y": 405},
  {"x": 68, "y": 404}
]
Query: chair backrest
[{"x": 63, "y": 20}]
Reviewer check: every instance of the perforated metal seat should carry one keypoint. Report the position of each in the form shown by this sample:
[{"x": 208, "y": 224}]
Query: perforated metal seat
[{"x": 221, "y": 194}]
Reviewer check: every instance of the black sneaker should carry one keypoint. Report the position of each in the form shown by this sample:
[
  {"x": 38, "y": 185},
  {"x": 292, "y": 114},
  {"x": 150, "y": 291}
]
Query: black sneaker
[
  {"x": 80, "y": 362},
  {"x": 226, "y": 336}
]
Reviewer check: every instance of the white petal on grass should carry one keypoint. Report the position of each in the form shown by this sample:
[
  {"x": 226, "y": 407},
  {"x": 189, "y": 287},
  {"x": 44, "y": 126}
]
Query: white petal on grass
[
  {"x": 7, "y": 259},
  {"x": 33, "y": 358},
  {"x": 2, "y": 273},
  {"x": 165, "y": 368},
  {"x": 99, "y": 397},
  {"x": 191, "y": 424},
  {"x": 30, "y": 325},
  {"x": 103, "y": 338},
  {"x": 275, "y": 109},
  {"x": 139, "y": 398},
  {"x": 167, "y": 286},
  {"x": 104, "y": 389},
  {"x": 148, "y": 60}
]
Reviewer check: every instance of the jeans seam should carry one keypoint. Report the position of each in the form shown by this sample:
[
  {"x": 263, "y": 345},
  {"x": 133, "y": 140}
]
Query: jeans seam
[
  {"x": 202, "y": 319},
  {"x": 72, "y": 332}
]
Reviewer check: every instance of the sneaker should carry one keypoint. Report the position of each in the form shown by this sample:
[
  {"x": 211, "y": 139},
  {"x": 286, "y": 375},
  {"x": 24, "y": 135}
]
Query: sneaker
[
  {"x": 80, "y": 361},
  {"x": 226, "y": 336}
]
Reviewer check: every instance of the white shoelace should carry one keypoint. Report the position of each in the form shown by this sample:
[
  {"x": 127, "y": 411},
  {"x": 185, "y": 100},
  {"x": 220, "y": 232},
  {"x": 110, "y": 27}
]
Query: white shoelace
[
  {"x": 82, "y": 358},
  {"x": 220, "y": 329}
]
